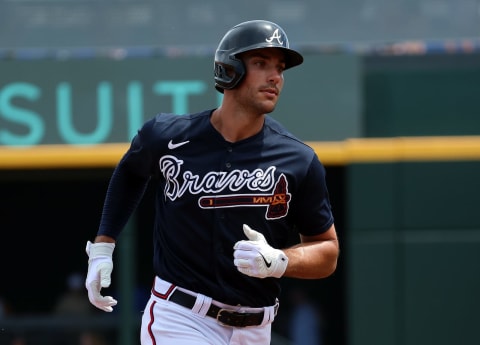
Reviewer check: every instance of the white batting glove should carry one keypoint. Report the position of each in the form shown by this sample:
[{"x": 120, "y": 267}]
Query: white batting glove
[
  {"x": 100, "y": 266},
  {"x": 256, "y": 258}
]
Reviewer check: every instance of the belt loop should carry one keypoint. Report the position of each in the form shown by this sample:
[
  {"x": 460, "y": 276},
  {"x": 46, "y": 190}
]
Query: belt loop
[
  {"x": 170, "y": 292},
  {"x": 276, "y": 306},
  {"x": 269, "y": 313},
  {"x": 202, "y": 304}
]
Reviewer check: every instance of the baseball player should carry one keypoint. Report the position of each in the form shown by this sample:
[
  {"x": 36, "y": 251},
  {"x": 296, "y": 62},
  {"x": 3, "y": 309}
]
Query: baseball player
[{"x": 233, "y": 185}]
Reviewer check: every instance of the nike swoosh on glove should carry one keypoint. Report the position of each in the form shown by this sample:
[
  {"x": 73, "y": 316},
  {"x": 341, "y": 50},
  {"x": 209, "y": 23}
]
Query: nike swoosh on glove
[
  {"x": 256, "y": 258},
  {"x": 100, "y": 266}
]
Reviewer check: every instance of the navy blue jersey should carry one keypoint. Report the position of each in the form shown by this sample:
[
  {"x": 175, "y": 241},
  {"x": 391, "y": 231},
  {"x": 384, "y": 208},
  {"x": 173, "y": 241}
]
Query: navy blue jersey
[{"x": 208, "y": 188}]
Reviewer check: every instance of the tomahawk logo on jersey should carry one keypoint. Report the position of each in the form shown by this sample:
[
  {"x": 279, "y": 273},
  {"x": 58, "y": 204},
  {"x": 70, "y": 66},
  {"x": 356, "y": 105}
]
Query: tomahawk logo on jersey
[{"x": 276, "y": 202}]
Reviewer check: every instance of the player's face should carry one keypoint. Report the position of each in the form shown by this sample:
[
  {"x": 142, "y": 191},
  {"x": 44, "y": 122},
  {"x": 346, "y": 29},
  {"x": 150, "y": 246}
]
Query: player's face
[{"x": 263, "y": 82}]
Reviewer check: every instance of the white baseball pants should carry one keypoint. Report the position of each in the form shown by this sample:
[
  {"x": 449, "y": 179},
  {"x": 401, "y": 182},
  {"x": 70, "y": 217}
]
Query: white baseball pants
[{"x": 167, "y": 323}]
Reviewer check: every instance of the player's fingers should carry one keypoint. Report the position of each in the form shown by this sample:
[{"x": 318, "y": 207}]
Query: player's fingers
[
  {"x": 240, "y": 247},
  {"x": 107, "y": 303},
  {"x": 246, "y": 245},
  {"x": 246, "y": 271},
  {"x": 243, "y": 245},
  {"x": 104, "y": 303},
  {"x": 94, "y": 292},
  {"x": 247, "y": 254},
  {"x": 105, "y": 273},
  {"x": 105, "y": 280},
  {"x": 242, "y": 263}
]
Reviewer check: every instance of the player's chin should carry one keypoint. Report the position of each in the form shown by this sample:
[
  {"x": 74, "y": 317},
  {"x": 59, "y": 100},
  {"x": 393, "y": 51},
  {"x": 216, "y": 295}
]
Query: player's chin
[
  {"x": 269, "y": 105},
  {"x": 270, "y": 108}
]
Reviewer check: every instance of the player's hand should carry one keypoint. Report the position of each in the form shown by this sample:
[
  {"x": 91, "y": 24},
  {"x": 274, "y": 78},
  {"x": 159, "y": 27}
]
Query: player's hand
[
  {"x": 256, "y": 258},
  {"x": 100, "y": 266}
]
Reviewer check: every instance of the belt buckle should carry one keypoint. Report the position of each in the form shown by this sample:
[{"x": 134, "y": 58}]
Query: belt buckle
[
  {"x": 231, "y": 318},
  {"x": 221, "y": 316}
]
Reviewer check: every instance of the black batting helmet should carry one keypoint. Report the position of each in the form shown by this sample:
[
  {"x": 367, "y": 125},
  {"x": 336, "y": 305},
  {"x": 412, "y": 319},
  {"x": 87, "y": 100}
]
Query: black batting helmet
[{"x": 254, "y": 34}]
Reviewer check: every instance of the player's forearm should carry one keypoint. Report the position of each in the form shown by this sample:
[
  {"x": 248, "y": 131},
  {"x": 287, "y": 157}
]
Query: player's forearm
[
  {"x": 124, "y": 193},
  {"x": 312, "y": 260},
  {"x": 103, "y": 238}
]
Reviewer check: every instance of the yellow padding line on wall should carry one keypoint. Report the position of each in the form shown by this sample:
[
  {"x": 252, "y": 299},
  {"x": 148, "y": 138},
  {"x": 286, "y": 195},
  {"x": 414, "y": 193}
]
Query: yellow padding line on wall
[
  {"x": 362, "y": 150},
  {"x": 399, "y": 149},
  {"x": 61, "y": 156}
]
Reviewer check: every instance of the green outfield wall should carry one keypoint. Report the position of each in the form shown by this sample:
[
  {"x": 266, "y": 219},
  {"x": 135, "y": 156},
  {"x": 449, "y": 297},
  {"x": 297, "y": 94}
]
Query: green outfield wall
[
  {"x": 413, "y": 228},
  {"x": 421, "y": 95},
  {"x": 413, "y": 252}
]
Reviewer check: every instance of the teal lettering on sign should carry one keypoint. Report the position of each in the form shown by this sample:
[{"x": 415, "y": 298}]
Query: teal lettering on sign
[
  {"x": 180, "y": 90},
  {"x": 19, "y": 115},
  {"x": 65, "y": 117},
  {"x": 134, "y": 108}
]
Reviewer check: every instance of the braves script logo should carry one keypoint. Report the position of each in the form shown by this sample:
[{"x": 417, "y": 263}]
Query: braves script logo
[
  {"x": 269, "y": 193},
  {"x": 276, "y": 36}
]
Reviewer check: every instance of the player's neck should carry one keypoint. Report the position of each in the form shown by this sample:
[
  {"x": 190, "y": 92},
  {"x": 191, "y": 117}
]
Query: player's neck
[{"x": 236, "y": 125}]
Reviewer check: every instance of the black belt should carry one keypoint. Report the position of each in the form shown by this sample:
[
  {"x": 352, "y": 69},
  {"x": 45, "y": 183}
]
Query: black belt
[{"x": 223, "y": 316}]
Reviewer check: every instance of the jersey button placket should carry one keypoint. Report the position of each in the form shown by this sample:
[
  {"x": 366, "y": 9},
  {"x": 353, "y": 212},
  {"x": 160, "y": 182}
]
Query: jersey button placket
[{"x": 228, "y": 165}]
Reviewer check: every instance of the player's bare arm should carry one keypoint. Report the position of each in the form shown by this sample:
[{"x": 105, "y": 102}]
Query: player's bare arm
[
  {"x": 103, "y": 238},
  {"x": 315, "y": 257}
]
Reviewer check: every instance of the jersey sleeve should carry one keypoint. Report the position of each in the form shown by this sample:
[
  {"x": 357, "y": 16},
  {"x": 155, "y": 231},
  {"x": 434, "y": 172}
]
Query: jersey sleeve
[
  {"x": 127, "y": 185},
  {"x": 312, "y": 208}
]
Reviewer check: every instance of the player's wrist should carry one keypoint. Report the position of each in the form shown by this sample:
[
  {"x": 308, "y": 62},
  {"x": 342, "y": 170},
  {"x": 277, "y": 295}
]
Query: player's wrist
[
  {"x": 99, "y": 249},
  {"x": 104, "y": 239},
  {"x": 281, "y": 263}
]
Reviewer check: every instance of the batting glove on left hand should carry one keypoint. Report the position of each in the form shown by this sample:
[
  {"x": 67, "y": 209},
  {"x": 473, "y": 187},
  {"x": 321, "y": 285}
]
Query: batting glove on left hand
[
  {"x": 100, "y": 266},
  {"x": 256, "y": 258}
]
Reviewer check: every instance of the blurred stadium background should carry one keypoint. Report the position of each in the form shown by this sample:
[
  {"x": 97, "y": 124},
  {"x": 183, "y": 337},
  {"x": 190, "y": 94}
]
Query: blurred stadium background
[{"x": 388, "y": 96}]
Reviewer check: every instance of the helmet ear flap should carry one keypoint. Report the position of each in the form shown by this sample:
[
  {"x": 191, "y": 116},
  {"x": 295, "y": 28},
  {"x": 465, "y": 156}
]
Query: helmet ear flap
[
  {"x": 221, "y": 77},
  {"x": 227, "y": 76},
  {"x": 220, "y": 71}
]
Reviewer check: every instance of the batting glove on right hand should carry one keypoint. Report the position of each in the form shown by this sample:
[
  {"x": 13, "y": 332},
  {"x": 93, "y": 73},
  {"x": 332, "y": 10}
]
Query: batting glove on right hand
[
  {"x": 256, "y": 258},
  {"x": 100, "y": 266}
]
